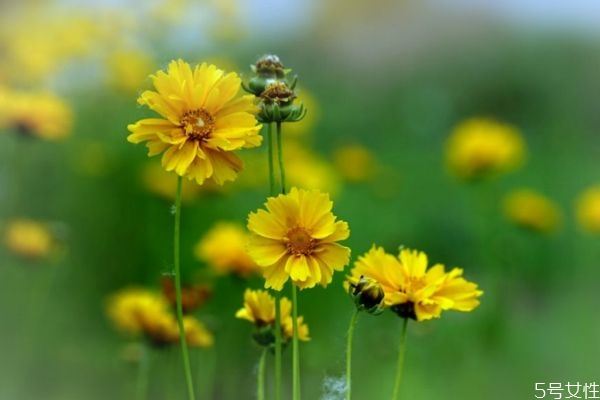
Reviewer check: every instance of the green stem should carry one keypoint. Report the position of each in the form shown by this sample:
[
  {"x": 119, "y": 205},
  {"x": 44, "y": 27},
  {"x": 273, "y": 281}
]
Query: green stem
[
  {"x": 141, "y": 390},
  {"x": 260, "y": 388},
  {"x": 349, "y": 353},
  {"x": 184, "y": 349},
  {"x": 280, "y": 156},
  {"x": 271, "y": 159},
  {"x": 295, "y": 352},
  {"x": 400, "y": 365}
]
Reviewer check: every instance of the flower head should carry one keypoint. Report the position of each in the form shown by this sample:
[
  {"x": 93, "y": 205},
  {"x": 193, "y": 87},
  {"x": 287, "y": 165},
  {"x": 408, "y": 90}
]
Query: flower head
[
  {"x": 296, "y": 238},
  {"x": 203, "y": 122},
  {"x": 223, "y": 248},
  {"x": 28, "y": 238},
  {"x": 531, "y": 210},
  {"x": 412, "y": 289},
  {"x": 481, "y": 147},
  {"x": 137, "y": 311},
  {"x": 38, "y": 114},
  {"x": 588, "y": 209},
  {"x": 259, "y": 308}
]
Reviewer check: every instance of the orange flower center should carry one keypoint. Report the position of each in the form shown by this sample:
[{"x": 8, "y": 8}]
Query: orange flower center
[
  {"x": 413, "y": 284},
  {"x": 299, "y": 241},
  {"x": 197, "y": 124}
]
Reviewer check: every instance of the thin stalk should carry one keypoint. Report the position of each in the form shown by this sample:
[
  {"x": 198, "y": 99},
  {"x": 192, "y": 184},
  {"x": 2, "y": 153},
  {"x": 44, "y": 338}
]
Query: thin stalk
[
  {"x": 280, "y": 156},
  {"x": 295, "y": 352},
  {"x": 278, "y": 341},
  {"x": 353, "y": 320},
  {"x": 260, "y": 387},
  {"x": 271, "y": 159},
  {"x": 182, "y": 341},
  {"x": 141, "y": 390},
  {"x": 400, "y": 365}
]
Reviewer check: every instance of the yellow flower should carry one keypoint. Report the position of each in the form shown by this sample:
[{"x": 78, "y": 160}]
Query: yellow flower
[
  {"x": 164, "y": 184},
  {"x": 412, "y": 289},
  {"x": 481, "y": 147},
  {"x": 588, "y": 209},
  {"x": 196, "y": 333},
  {"x": 138, "y": 311},
  {"x": 203, "y": 122},
  {"x": 28, "y": 238},
  {"x": 531, "y": 210},
  {"x": 295, "y": 238},
  {"x": 355, "y": 163},
  {"x": 224, "y": 249},
  {"x": 40, "y": 114},
  {"x": 259, "y": 308},
  {"x": 128, "y": 69}
]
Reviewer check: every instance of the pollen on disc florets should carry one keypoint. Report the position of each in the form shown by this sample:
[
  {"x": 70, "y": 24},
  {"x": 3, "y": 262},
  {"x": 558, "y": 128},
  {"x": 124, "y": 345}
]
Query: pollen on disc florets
[
  {"x": 197, "y": 124},
  {"x": 299, "y": 242}
]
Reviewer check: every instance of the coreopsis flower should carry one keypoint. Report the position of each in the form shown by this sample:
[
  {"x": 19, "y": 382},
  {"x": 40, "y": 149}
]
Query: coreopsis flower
[
  {"x": 259, "y": 308},
  {"x": 142, "y": 312},
  {"x": 38, "y": 114},
  {"x": 367, "y": 293},
  {"x": 223, "y": 248},
  {"x": 203, "y": 122},
  {"x": 196, "y": 333},
  {"x": 28, "y": 238},
  {"x": 479, "y": 147},
  {"x": 296, "y": 238},
  {"x": 412, "y": 289},
  {"x": 531, "y": 210},
  {"x": 355, "y": 163},
  {"x": 588, "y": 209}
]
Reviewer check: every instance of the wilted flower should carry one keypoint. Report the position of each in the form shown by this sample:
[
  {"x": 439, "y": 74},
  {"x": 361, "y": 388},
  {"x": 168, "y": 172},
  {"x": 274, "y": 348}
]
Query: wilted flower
[
  {"x": 223, "y": 248},
  {"x": 531, "y": 210},
  {"x": 411, "y": 289},
  {"x": 259, "y": 308},
  {"x": 28, "y": 238},
  {"x": 480, "y": 147},
  {"x": 38, "y": 114},
  {"x": 296, "y": 238},
  {"x": 203, "y": 122},
  {"x": 367, "y": 293},
  {"x": 588, "y": 209}
]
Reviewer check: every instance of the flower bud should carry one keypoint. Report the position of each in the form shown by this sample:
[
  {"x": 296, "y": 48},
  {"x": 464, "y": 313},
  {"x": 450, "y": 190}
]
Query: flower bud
[
  {"x": 368, "y": 295},
  {"x": 264, "y": 335}
]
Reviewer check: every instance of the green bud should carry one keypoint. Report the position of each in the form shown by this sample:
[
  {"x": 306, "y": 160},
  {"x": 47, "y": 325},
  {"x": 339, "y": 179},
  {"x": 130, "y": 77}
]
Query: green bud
[
  {"x": 368, "y": 295},
  {"x": 264, "y": 336}
]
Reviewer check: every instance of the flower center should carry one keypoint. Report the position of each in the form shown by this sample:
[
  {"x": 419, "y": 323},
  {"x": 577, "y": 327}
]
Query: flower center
[
  {"x": 197, "y": 124},
  {"x": 414, "y": 284},
  {"x": 299, "y": 241}
]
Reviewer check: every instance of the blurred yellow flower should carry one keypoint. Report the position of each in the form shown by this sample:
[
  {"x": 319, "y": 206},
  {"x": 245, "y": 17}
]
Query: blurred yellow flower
[
  {"x": 204, "y": 122},
  {"x": 355, "y": 163},
  {"x": 480, "y": 147},
  {"x": 40, "y": 114},
  {"x": 259, "y": 308},
  {"x": 164, "y": 184},
  {"x": 196, "y": 333},
  {"x": 137, "y": 311},
  {"x": 295, "y": 238},
  {"x": 531, "y": 210},
  {"x": 28, "y": 238},
  {"x": 413, "y": 290},
  {"x": 307, "y": 170},
  {"x": 223, "y": 248},
  {"x": 588, "y": 209},
  {"x": 127, "y": 70},
  {"x": 306, "y": 125}
]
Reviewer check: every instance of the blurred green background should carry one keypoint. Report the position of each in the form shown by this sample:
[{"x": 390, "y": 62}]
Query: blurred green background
[{"x": 395, "y": 78}]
